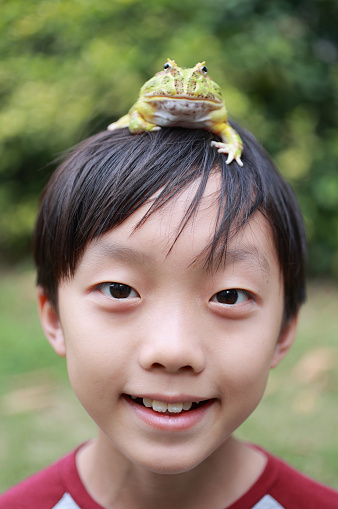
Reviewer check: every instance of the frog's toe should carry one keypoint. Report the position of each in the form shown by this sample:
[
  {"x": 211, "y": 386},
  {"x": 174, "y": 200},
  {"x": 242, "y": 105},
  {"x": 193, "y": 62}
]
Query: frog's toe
[
  {"x": 239, "y": 161},
  {"x": 112, "y": 126},
  {"x": 223, "y": 148},
  {"x": 155, "y": 128},
  {"x": 229, "y": 159},
  {"x": 218, "y": 145}
]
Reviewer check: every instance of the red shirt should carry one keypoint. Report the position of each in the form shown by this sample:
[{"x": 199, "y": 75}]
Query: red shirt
[{"x": 279, "y": 487}]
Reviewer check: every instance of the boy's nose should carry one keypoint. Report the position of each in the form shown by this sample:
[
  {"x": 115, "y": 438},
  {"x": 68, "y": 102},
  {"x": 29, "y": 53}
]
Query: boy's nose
[{"x": 173, "y": 344}]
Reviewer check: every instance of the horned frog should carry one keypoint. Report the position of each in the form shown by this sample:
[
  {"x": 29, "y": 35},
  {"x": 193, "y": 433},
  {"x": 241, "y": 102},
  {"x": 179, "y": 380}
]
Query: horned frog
[{"x": 187, "y": 98}]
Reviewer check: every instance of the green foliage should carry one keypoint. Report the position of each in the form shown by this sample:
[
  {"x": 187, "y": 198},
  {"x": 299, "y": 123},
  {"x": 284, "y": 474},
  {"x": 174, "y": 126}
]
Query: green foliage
[{"x": 70, "y": 68}]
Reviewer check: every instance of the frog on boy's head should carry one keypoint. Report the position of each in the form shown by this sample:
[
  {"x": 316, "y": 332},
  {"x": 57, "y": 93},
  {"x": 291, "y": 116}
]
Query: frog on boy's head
[{"x": 187, "y": 98}]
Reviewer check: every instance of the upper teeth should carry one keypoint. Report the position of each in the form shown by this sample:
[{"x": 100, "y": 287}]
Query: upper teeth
[{"x": 161, "y": 406}]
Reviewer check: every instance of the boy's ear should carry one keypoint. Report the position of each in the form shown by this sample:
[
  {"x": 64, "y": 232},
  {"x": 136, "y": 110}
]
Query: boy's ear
[
  {"x": 285, "y": 341},
  {"x": 50, "y": 322}
]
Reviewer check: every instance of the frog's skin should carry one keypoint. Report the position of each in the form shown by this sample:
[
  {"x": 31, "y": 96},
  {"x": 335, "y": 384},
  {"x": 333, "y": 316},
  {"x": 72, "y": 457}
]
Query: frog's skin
[{"x": 186, "y": 98}]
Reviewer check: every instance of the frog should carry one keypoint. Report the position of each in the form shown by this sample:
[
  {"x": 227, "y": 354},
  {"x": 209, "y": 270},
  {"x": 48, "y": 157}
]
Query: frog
[{"x": 183, "y": 97}]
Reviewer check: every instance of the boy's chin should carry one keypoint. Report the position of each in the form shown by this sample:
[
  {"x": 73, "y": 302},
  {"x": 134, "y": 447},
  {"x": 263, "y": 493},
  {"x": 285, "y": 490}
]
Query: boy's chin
[
  {"x": 175, "y": 461},
  {"x": 170, "y": 466}
]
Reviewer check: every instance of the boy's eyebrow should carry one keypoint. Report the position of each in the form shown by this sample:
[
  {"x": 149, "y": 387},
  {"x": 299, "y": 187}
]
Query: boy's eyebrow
[
  {"x": 248, "y": 253},
  {"x": 118, "y": 252}
]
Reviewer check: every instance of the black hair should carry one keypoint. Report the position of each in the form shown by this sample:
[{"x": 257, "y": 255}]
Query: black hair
[{"x": 110, "y": 175}]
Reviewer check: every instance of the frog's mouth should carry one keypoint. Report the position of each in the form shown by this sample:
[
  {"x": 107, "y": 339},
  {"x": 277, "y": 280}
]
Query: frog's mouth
[
  {"x": 181, "y": 112},
  {"x": 163, "y": 96}
]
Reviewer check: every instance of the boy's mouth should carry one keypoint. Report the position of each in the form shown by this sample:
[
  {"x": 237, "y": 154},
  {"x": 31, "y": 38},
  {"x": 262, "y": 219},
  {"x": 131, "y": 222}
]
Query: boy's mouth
[{"x": 167, "y": 408}]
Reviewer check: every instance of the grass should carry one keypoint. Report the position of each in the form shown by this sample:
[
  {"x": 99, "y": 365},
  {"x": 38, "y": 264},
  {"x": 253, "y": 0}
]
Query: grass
[{"x": 40, "y": 418}]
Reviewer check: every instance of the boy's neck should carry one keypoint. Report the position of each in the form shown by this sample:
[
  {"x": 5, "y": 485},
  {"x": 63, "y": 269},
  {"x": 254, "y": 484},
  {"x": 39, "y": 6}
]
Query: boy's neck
[{"x": 116, "y": 483}]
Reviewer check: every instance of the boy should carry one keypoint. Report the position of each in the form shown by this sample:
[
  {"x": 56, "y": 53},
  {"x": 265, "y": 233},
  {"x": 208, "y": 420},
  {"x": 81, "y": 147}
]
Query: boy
[{"x": 171, "y": 282}]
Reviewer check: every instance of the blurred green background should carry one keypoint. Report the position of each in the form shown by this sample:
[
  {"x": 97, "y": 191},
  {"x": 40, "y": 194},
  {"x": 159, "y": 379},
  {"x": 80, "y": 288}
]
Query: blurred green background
[{"x": 70, "y": 67}]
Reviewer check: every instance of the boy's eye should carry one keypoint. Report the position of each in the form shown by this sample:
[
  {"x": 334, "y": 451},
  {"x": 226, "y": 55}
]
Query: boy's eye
[
  {"x": 231, "y": 297},
  {"x": 118, "y": 290}
]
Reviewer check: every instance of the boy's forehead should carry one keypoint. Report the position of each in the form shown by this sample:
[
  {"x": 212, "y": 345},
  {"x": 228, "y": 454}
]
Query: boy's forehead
[
  {"x": 130, "y": 240},
  {"x": 165, "y": 221},
  {"x": 246, "y": 253}
]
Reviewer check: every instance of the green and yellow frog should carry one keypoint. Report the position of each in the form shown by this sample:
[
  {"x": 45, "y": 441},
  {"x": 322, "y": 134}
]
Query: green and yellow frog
[{"x": 187, "y": 98}]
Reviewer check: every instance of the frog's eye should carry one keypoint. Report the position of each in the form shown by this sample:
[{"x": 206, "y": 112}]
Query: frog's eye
[
  {"x": 204, "y": 70},
  {"x": 167, "y": 66}
]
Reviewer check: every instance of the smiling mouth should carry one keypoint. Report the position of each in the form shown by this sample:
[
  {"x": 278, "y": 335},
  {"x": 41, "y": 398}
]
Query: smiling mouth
[{"x": 167, "y": 408}]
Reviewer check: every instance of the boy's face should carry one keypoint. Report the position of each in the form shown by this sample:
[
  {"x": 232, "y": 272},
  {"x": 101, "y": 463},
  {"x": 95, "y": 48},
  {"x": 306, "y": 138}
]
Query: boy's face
[{"x": 137, "y": 322}]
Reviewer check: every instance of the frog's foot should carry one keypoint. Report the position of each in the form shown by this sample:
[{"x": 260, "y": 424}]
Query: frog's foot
[
  {"x": 226, "y": 148},
  {"x": 113, "y": 126},
  {"x": 121, "y": 122},
  {"x": 138, "y": 125}
]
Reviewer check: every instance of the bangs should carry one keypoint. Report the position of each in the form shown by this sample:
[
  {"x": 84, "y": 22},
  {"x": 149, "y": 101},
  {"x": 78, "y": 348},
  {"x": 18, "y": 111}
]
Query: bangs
[
  {"x": 234, "y": 207},
  {"x": 163, "y": 164}
]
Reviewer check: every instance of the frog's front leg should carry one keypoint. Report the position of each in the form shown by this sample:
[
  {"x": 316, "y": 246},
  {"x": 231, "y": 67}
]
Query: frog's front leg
[
  {"x": 231, "y": 143},
  {"x": 136, "y": 123},
  {"x": 140, "y": 122},
  {"x": 138, "y": 119}
]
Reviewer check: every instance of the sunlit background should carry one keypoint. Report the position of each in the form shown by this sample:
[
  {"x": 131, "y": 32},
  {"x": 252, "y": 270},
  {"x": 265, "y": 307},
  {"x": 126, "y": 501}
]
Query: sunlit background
[{"x": 67, "y": 70}]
